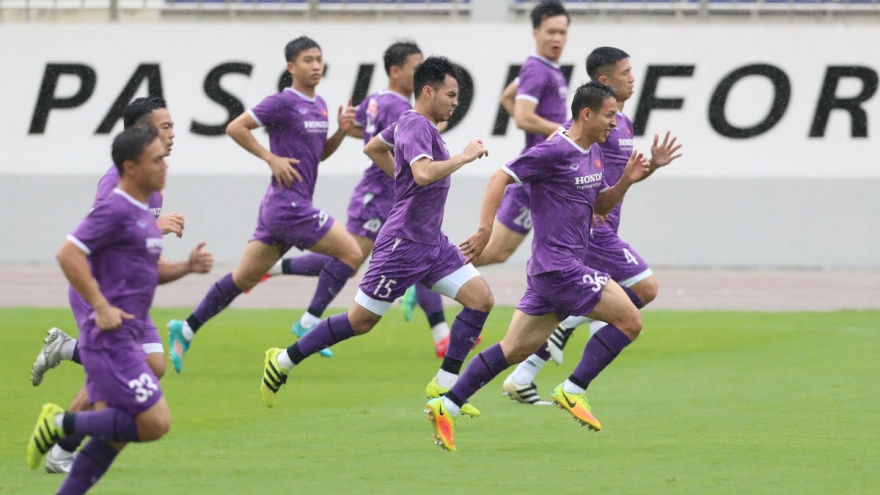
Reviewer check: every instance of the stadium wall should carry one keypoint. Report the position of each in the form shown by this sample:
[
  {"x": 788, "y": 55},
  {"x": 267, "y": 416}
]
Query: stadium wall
[{"x": 779, "y": 169}]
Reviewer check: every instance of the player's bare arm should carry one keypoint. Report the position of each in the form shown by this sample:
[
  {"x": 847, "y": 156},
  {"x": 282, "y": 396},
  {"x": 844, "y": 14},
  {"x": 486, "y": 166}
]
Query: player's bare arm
[
  {"x": 636, "y": 169},
  {"x": 526, "y": 119},
  {"x": 345, "y": 118},
  {"x": 200, "y": 261},
  {"x": 76, "y": 268},
  {"x": 427, "y": 171},
  {"x": 380, "y": 154},
  {"x": 508, "y": 97},
  {"x": 282, "y": 168},
  {"x": 173, "y": 223},
  {"x": 474, "y": 245}
]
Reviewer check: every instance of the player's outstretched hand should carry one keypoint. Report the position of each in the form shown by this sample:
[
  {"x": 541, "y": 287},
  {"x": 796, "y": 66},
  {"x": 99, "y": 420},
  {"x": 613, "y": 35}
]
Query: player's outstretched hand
[
  {"x": 200, "y": 260},
  {"x": 474, "y": 150},
  {"x": 110, "y": 318},
  {"x": 664, "y": 154},
  {"x": 473, "y": 246},
  {"x": 284, "y": 170},
  {"x": 637, "y": 168},
  {"x": 171, "y": 224},
  {"x": 346, "y": 117}
]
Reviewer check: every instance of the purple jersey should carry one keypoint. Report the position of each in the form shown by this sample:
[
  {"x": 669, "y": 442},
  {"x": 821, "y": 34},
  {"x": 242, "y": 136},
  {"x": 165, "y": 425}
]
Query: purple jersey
[
  {"x": 109, "y": 182},
  {"x": 565, "y": 180},
  {"x": 417, "y": 214},
  {"x": 616, "y": 150},
  {"x": 123, "y": 244},
  {"x": 297, "y": 127},
  {"x": 543, "y": 83}
]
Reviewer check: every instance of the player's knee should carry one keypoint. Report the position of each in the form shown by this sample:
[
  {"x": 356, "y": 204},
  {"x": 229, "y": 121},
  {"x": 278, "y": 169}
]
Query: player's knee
[
  {"x": 245, "y": 281},
  {"x": 156, "y": 362},
  {"x": 153, "y": 427},
  {"x": 363, "y": 323},
  {"x": 352, "y": 256},
  {"x": 647, "y": 290},
  {"x": 631, "y": 325}
]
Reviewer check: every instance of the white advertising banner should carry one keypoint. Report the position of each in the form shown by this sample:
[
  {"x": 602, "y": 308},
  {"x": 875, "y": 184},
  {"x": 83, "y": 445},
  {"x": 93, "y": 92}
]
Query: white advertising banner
[{"x": 748, "y": 101}]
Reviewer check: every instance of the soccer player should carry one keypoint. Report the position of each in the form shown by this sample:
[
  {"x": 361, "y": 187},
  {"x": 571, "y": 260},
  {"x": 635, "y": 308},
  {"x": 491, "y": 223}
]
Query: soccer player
[
  {"x": 566, "y": 174},
  {"x": 539, "y": 109},
  {"x": 58, "y": 345},
  {"x": 410, "y": 247},
  {"x": 374, "y": 195},
  {"x": 607, "y": 252},
  {"x": 297, "y": 122},
  {"x": 112, "y": 260}
]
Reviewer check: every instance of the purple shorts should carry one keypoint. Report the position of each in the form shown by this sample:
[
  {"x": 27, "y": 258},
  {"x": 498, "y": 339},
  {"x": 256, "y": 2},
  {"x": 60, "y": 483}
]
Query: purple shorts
[
  {"x": 298, "y": 224},
  {"x": 121, "y": 378},
  {"x": 514, "y": 212},
  {"x": 398, "y": 264},
  {"x": 609, "y": 253},
  {"x": 572, "y": 292},
  {"x": 150, "y": 339},
  {"x": 367, "y": 212}
]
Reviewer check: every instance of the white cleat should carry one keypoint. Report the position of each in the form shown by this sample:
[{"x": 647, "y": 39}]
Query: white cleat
[
  {"x": 59, "y": 465},
  {"x": 524, "y": 394},
  {"x": 50, "y": 354},
  {"x": 556, "y": 343}
]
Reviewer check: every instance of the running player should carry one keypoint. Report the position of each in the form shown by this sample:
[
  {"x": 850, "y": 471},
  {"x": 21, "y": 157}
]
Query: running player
[
  {"x": 297, "y": 122},
  {"x": 58, "y": 345},
  {"x": 568, "y": 186},
  {"x": 112, "y": 260},
  {"x": 607, "y": 252},
  {"x": 539, "y": 110},
  {"x": 374, "y": 195},
  {"x": 410, "y": 248}
]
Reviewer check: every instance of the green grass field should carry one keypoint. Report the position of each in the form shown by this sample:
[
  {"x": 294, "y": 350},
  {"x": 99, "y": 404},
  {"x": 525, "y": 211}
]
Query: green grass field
[{"x": 702, "y": 403}]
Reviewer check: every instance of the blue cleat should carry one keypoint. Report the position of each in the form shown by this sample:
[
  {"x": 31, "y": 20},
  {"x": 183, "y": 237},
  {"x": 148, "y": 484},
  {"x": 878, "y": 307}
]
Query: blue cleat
[
  {"x": 408, "y": 303},
  {"x": 300, "y": 331},
  {"x": 177, "y": 343}
]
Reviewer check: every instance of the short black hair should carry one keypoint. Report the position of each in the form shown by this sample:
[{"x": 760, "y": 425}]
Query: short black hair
[
  {"x": 432, "y": 72},
  {"x": 140, "y": 111},
  {"x": 131, "y": 143},
  {"x": 299, "y": 45},
  {"x": 397, "y": 54},
  {"x": 591, "y": 95},
  {"x": 549, "y": 8},
  {"x": 602, "y": 57}
]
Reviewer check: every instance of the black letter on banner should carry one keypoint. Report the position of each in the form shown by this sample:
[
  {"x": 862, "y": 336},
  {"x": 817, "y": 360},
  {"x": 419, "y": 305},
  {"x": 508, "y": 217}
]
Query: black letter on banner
[
  {"x": 362, "y": 84},
  {"x": 502, "y": 118},
  {"x": 648, "y": 102},
  {"x": 150, "y": 72},
  {"x": 286, "y": 80},
  {"x": 213, "y": 90},
  {"x": 782, "y": 95},
  {"x": 828, "y": 101},
  {"x": 465, "y": 97},
  {"x": 46, "y": 101}
]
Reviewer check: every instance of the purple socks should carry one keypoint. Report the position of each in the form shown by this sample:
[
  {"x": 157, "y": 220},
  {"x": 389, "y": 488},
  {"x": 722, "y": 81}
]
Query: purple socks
[
  {"x": 332, "y": 279},
  {"x": 325, "y": 334},
  {"x": 464, "y": 332},
  {"x": 308, "y": 265},
  {"x": 481, "y": 370},
  {"x": 601, "y": 349},
  {"x": 111, "y": 424},
  {"x": 428, "y": 300},
  {"x": 90, "y": 465},
  {"x": 219, "y": 296}
]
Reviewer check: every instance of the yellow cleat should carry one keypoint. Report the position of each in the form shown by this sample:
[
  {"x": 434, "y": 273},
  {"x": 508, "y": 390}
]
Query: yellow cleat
[
  {"x": 434, "y": 391},
  {"x": 443, "y": 423},
  {"x": 578, "y": 406},
  {"x": 45, "y": 435},
  {"x": 274, "y": 376}
]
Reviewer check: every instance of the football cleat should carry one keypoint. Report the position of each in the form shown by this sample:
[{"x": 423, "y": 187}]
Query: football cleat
[
  {"x": 45, "y": 434},
  {"x": 50, "y": 355},
  {"x": 435, "y": 391},
  {"x": 177, "y": 343},
  {"x": 408, "y": 303},
  {"x": 556, "y": 342},
  {"x": 524, "y": 394},
  {"x": 59, "y": 465},
  {"x": 578, "y": 406},
  {"x": 443, "y": 423},
  {"x": 274, "y": 376}
]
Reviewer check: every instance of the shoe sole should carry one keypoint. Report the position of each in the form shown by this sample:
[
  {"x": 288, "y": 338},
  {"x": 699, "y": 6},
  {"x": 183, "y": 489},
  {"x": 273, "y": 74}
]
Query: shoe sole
[
  {"x": 53, "y": 336},
  {"x": 577, "y": 419},
  {"x": 438, "y": 440}
]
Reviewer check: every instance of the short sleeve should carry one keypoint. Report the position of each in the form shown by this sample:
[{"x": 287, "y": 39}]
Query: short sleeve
[
  {"x": 531, "y": 83},
  {"x": 102, "y": 227},
  {"x": 269, "y": 112},
  {"x": 360, "y": 113},
  {"x": 416, "y": 141},
  {"x": 387, "y": 135},
  {"x": 528, "y": 166}
]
